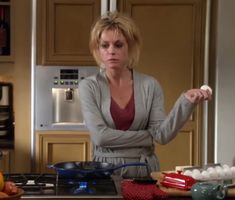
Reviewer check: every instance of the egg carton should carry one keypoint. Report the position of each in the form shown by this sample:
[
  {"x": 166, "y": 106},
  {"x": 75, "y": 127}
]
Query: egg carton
[{"x": 211, "y": 172}]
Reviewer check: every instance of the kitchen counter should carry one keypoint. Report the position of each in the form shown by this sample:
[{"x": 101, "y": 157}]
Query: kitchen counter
[
  {"x": 173, "y": 193},
  {"x": 177, "y": 194},
  {"x": 70, "y": 197}
]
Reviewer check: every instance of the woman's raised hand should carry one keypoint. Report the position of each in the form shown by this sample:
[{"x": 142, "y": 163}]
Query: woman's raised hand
[{"x": 196, "y": 96}]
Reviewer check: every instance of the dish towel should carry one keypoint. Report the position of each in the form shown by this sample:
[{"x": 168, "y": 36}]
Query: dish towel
[{"x": 140, "y": 191}]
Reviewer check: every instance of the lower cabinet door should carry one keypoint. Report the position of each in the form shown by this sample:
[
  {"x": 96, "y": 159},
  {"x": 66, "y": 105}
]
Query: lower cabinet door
[{"x": 61, "y": 146}]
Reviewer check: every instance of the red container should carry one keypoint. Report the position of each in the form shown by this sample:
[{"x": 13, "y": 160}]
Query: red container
[{"x": 177, "y": 180}]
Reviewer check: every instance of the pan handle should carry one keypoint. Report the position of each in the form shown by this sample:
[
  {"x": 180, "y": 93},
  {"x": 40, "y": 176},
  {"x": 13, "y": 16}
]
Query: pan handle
[
  {"x": 129, "y": 165},
  {"x": 51, "y": 166}
]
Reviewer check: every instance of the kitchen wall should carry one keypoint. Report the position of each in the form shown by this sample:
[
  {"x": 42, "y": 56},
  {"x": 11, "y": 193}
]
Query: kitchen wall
[
  {"x": 18, "y": 72},
  {"x": 225, "y": 83}
]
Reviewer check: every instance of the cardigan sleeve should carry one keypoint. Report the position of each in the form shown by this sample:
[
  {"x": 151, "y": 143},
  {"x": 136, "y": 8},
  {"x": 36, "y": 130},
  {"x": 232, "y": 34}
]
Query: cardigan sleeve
[
  {"x": 165, "y": 128},
  {"x": 101, "y": 134}
]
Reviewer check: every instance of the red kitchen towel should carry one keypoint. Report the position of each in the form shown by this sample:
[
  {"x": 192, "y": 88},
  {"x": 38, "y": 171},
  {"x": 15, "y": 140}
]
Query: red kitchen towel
[{"x": 139, "y": 191}]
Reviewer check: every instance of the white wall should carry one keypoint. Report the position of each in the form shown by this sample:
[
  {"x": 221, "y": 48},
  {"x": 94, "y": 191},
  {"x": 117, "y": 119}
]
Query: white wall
[{"x": 225, "y": 80}]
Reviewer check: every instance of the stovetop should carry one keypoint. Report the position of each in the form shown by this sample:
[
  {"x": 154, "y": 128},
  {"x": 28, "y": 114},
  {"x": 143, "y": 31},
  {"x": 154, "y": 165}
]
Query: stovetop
[{"x": 52, "y": 184}]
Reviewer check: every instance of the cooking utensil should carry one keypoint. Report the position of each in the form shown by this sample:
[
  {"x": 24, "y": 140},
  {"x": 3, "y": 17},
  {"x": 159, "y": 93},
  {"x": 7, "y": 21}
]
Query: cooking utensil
[{"x": 89, "y": 168}]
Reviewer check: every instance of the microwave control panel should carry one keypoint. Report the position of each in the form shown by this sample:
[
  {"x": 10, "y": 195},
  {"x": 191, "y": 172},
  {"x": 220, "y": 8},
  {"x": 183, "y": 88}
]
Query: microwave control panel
[{"x": 67, "y": 77}]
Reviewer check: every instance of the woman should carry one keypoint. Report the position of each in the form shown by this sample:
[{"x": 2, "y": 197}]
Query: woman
[{"x": 124, "y": 109}]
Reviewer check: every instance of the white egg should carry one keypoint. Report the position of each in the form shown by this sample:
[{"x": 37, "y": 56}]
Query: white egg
[
  {"x": 218, "y": 168},
  {"x": 211, "y": 169},
  {"x": 228, "y": 173},
  {"x": 206, "y": 87},
  {"x": 197, "y": 176},
  {"x": 205, "y": 175},
  {"x": 196, "y": 171},
  {"x": 233, "y": 171},
  {"x": 213, "y": 174},
  {"x": 226, "y": 167},
  {"x": 188, "y": 173},
  {"x": 221, "y": 174}
]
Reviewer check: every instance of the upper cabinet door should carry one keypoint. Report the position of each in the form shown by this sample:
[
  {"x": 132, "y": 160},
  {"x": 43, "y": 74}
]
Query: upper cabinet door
[{"x": 63, "y": 29}]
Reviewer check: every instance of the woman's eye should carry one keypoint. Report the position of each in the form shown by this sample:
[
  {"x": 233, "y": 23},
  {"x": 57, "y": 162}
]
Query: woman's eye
[
  {"x": 119, "y": 45},
  {"x": 104, "y": 46}
]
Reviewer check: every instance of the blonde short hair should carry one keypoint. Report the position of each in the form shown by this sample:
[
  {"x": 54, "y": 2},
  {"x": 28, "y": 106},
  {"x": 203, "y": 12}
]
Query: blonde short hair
[{"x": 117, "y": 22}]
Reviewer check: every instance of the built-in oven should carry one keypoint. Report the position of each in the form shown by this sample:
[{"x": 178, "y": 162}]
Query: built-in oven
[{"x": 57, "y": 105}]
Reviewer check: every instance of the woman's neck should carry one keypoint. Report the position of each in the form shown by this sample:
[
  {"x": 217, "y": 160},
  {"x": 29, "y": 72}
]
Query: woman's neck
[{"x": 119, "y": 77}]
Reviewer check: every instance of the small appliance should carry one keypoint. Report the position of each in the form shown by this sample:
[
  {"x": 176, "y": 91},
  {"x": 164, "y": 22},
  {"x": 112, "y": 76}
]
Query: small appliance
[{"x": 57, "y": 101}]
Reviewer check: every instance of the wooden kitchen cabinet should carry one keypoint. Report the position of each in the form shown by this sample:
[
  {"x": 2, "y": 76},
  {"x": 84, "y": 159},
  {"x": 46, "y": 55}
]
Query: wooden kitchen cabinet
[
  {"x": 63, "y": 29},
  {"x": 61, "y": 146}
]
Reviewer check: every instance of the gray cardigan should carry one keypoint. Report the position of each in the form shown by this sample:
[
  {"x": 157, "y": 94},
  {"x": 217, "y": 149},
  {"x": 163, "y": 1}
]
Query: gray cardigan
[{"x": 150, "y": 122}]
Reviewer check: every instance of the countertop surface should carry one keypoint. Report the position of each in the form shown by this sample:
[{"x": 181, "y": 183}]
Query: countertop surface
[
  {"x": 182, "y": 194},
  {"x": 173, "y": 193}
]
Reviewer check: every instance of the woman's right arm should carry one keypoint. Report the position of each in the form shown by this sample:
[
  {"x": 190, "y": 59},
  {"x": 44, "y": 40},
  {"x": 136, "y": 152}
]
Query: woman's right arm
[{"x": 101, "y": 134}]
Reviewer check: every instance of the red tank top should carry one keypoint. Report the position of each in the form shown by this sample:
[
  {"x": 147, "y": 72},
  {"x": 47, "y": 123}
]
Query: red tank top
[{"x": 123, "y": 118}]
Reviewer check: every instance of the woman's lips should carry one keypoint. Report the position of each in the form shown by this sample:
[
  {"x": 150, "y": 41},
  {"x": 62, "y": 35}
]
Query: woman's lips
[{"x": 112, "y": 60}]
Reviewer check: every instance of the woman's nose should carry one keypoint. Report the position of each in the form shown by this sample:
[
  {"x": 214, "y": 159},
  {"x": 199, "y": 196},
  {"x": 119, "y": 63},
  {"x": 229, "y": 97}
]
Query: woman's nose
[{"x": 111, "y": 49}]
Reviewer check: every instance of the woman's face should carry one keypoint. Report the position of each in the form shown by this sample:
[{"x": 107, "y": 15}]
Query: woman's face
[{"x": 113, "y": 49}]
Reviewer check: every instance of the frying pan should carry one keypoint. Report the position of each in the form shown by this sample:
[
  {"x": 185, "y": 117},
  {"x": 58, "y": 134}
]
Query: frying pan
[{"x": 84, "y": 169}]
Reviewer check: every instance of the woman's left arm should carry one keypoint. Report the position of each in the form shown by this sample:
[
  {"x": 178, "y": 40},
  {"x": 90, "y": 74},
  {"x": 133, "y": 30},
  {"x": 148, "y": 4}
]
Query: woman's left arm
[{"x": 164, "y": 130}]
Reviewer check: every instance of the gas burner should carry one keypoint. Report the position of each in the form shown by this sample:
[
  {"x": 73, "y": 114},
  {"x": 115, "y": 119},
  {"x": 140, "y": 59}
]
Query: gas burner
[{"x": 52, "y": 184}]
